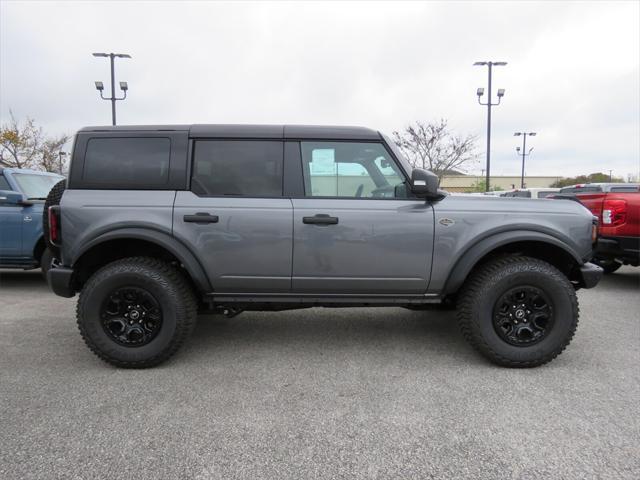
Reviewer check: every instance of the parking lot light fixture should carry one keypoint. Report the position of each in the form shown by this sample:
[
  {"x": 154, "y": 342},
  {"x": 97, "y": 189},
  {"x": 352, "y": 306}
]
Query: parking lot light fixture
[
  {"x": 123, "y": 85},
  {"x": 523, "y": 151},
  {"x": 489, "y": 104}
]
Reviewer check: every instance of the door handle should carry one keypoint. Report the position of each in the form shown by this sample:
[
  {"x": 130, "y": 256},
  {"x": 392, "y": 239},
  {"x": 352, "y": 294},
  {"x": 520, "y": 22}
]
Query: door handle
[
  {"x": 201, "y": 217},
  {"x": 320, "y": 219}
]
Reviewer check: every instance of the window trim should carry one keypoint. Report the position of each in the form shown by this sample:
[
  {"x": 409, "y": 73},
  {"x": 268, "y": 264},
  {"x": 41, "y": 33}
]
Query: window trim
[
  {"x": 177, "y": 160},
  {"x": 192, "y": 156},
  {"x": 381, "y": 142}
]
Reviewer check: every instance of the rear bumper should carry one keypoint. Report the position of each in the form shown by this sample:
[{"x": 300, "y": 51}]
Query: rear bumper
[
  {"x": 59, "y": 280},
  {"x": 626, "y": 249},
  {"x": 591, "y": 275}
]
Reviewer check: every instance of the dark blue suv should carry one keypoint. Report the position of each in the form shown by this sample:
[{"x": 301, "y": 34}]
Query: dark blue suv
[{"x": 22, "y": 196}]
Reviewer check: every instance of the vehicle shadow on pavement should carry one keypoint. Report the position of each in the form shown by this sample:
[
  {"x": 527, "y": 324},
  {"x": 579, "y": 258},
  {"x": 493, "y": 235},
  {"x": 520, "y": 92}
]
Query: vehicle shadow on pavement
[
  {"x": 20, "y": 279},
  {"x": 624, "y": 279},
  {"x": 318, "y": 331}
]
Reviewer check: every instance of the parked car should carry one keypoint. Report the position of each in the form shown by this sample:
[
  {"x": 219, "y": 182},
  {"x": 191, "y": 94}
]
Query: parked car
[
  {"x": 158, "y": 222},
  {"x": 22, "y": 196},
  {"x": 531, "y": 192},
  {"x": 617, "y": 206}
]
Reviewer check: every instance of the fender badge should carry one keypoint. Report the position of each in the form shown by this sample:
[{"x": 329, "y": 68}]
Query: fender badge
[{"x": 446, "y": 222}]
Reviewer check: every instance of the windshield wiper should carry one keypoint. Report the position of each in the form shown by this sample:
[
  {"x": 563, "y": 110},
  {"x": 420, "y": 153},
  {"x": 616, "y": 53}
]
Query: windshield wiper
[{"x": 37, "y": 198}]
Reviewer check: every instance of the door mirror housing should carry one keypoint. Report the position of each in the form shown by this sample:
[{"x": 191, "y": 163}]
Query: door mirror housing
[
  {"x": 424, "y": 183},
  {"x": 10, "y": 198}
]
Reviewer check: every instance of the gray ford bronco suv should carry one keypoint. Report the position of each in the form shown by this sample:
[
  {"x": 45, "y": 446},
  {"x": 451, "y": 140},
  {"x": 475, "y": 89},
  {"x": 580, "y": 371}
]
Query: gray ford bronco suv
[{"x": 157, "y": 223}]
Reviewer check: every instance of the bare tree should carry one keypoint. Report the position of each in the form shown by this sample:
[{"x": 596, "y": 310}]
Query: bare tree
[
  {"x": 24, "y": 145},
  {"x": 50, "y": 155},
  {"x": 434, "y": 147}
]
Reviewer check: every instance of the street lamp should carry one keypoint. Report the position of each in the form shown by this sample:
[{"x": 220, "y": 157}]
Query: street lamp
[
  {"x": 524, "y": 152},
  {"x": 123, "y": 85},
  {"x": 480, "y": 93}
]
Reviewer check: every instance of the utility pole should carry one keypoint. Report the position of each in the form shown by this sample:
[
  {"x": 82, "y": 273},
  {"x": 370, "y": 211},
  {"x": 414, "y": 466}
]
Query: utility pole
[
  {"x": 123, "y": 85},
  {"x": 488, "y": 104},
  {"x": 524, "y": 152}
]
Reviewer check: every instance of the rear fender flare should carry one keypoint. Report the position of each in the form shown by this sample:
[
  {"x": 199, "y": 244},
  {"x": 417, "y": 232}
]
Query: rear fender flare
[{"x": 169, "y": 243}]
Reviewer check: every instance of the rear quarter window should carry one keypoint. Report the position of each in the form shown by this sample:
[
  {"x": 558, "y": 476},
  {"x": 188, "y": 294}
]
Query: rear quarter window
[{"x": 127, "y": 161}]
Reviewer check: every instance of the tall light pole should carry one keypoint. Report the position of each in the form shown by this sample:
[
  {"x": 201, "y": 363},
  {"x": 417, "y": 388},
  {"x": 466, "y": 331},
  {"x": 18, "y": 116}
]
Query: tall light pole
[
  {"x": 524, "y": 152},
  {"x": 123, "y": 85},
  {"x": 480, "y": 93}
]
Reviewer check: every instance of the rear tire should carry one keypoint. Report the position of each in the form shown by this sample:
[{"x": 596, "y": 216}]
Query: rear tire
[
  {"x": 136, "y": 312},
  {"x": 518, "y": 311},
  {"x": 53, "y": 199}
]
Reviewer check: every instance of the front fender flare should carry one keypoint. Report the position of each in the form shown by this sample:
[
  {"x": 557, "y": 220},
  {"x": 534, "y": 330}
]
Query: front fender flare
[
  {"x": 473, "y": 254},
  {"x": 164, "y": 240}
]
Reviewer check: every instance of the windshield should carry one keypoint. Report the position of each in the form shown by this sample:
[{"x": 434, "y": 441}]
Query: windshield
[{"x": 36, "y": 187}]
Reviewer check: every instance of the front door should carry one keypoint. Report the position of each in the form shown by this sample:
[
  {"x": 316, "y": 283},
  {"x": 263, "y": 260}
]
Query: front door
[
  {"x": 357, "y": 231},
  {"x": 235, "y": 218}
]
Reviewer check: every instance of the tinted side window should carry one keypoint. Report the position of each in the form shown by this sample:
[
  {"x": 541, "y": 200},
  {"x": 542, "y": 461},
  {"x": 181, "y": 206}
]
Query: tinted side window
[
  {"x": 545, "y": 194},
  {"x": 346, "y": 169},
  {"x": 4, "y": 185},
  {"x": 578, "y": 190},
  {"x": 625, "y": 189},
  {"x": 127, "y": 161},
  {"x": 237, "y": 167}
]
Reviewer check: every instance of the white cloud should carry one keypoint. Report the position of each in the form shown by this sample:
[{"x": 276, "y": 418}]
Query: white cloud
[{"x": 573, "y": 72}]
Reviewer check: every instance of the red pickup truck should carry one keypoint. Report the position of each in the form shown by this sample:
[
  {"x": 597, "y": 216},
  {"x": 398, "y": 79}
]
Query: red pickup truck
[{"x": 617, "y": 206}]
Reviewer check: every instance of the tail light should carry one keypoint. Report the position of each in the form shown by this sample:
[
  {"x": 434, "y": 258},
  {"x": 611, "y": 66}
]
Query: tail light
[
  {"x": 54, "y": 225},
  {"x": 614, "y": 212}
]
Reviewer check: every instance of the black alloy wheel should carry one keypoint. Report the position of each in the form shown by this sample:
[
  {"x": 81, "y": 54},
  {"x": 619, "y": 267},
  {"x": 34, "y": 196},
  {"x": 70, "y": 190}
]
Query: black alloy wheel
[
  {"x": 131, "y": 316},
  {"x": 523, "y": 315}
]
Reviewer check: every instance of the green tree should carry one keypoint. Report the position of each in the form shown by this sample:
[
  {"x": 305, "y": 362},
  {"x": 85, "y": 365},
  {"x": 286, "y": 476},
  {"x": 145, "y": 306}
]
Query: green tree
[
  {"x": 25, "y": 145},
  {"x": 481, "y": 185},
  {"x": 597, "y": 177}
]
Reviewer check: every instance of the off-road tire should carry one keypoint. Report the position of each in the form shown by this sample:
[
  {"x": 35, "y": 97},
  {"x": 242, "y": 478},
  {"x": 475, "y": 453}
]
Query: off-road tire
[
  {"x": 489, "y": 282},
  {"x": 53, "y": 199},
  {"x": 162, "y": 280}
]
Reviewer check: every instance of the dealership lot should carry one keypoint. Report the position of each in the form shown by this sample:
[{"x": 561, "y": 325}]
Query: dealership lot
[{"x": 358, "y": 393}]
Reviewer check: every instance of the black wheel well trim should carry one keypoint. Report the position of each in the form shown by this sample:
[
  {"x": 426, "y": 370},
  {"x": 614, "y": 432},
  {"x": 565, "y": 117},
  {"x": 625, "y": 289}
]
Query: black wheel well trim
[
  {"x": 39, "y": 248},
  {"x": 479, "y": 250},
  {"x": 163, "y": 240}
]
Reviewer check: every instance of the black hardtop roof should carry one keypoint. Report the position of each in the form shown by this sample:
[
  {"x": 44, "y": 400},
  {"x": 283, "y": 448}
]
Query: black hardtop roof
[{"x": 315, "y": 132}]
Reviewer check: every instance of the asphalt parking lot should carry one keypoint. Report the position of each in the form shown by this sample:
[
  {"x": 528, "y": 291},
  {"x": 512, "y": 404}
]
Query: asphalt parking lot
[{"x": 354, "y": 393}]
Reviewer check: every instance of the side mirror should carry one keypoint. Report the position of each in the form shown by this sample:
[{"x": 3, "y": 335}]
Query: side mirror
[
  {"x": 424, "y": 183},
  {"x": 11, "y": 198}
]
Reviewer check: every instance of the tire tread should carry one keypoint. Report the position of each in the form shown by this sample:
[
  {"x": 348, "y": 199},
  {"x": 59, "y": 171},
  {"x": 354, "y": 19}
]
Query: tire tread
[
  {"x": 486, "y": 274},
  {"x": 186, "y": 305}
]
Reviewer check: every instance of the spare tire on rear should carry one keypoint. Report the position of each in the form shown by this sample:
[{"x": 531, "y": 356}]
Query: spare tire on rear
[{"x": 54, "y": 197}]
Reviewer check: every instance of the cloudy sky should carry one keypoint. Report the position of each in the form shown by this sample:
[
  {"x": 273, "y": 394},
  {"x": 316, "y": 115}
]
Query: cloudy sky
[{"x": 573, "y": 71}]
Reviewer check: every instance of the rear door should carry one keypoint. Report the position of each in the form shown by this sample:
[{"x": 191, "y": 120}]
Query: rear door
[
  {"x": 235, "y": 218},
  {"x": 357, "y": 231},
  {"x": 10, "y": 225}
]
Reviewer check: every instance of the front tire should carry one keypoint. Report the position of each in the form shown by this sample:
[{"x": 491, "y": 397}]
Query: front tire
[
  {"x": 136, "y": 312},
  {"x": 518, "y": 311}
]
